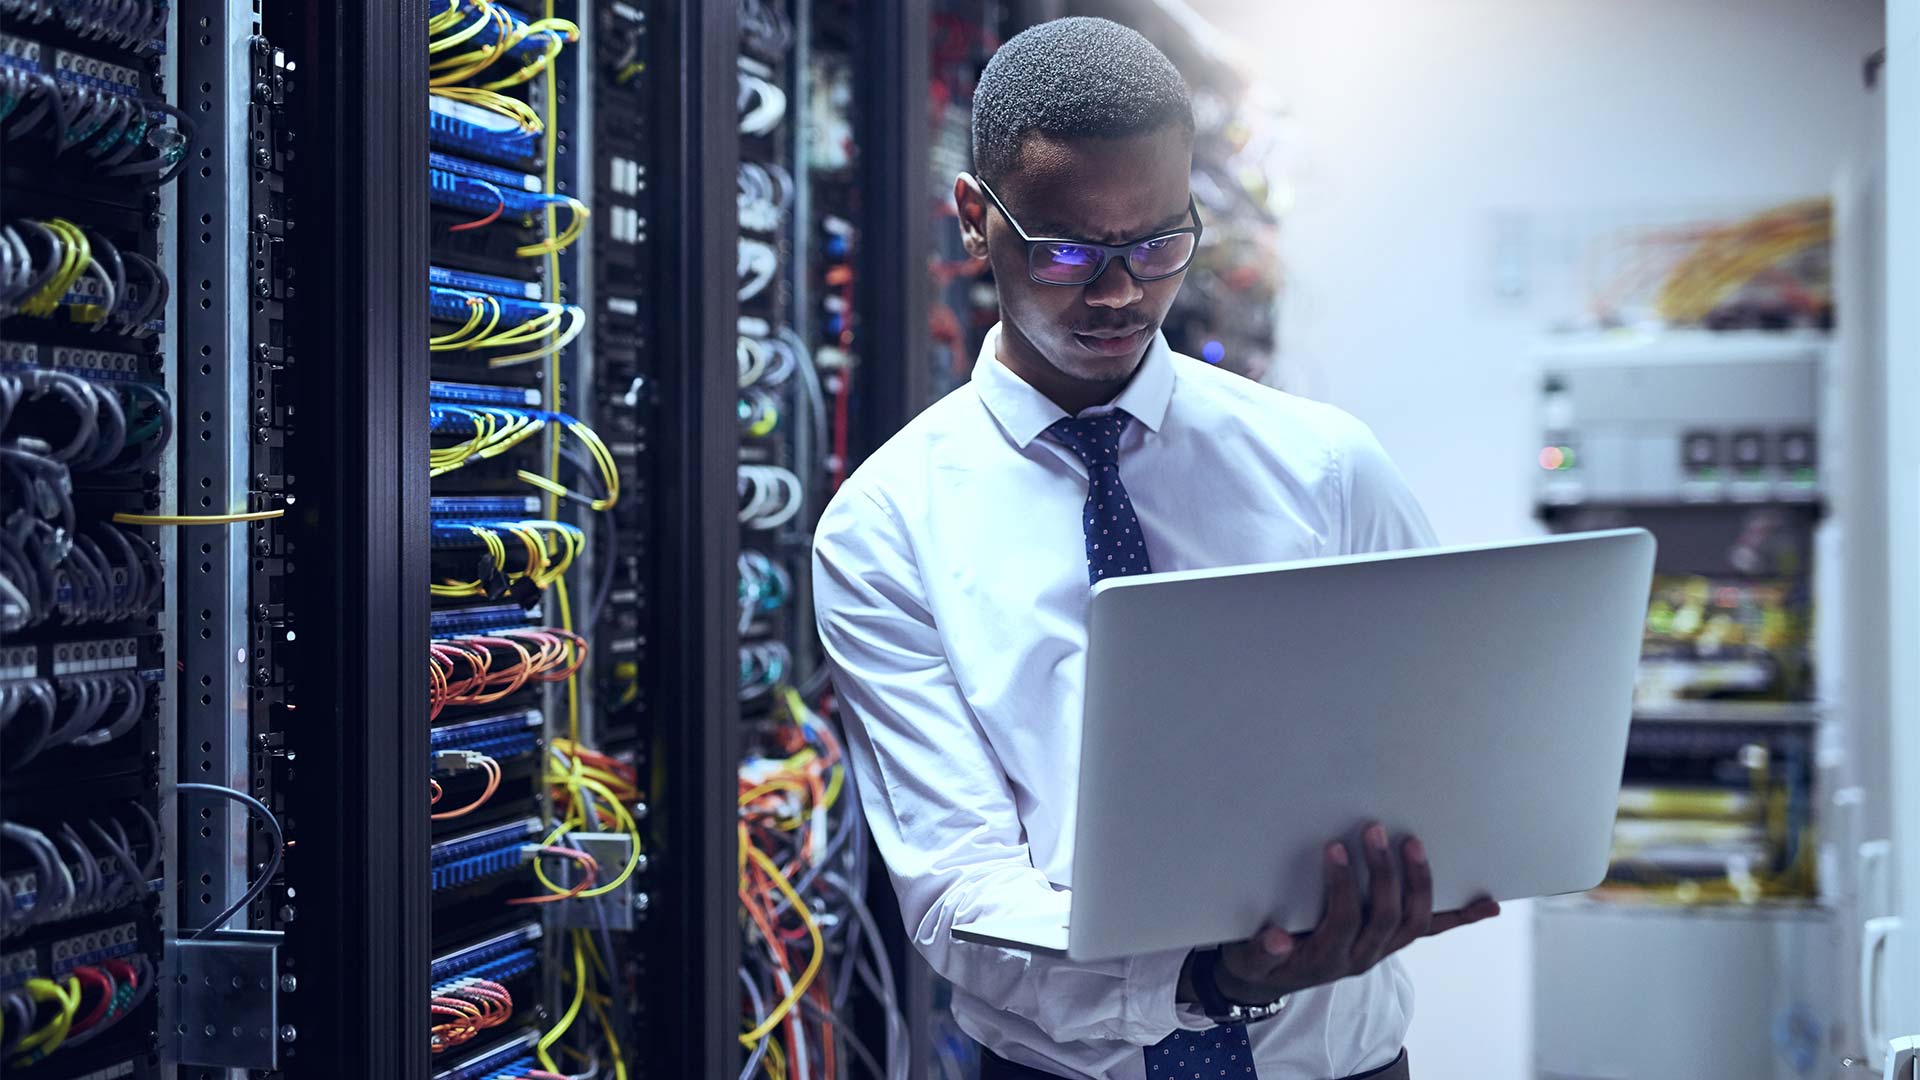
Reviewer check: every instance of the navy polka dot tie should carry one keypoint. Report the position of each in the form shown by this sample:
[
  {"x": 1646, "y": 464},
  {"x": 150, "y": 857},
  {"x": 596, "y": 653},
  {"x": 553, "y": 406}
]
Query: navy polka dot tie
[{"x": 1116, "y": 547}]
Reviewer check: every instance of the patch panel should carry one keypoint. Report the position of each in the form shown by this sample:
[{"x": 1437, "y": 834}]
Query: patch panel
[
  {"x": 511, "y": 1059},
  {"x": 499, "y": 22},
  {"x": 484, "y": 506},
  {"x": 499, "y": 737},
  {"x": 87, "y": 71},
  {"x": 487, "y": 853},
  {"x": 499, "y": 958},
  {"x": 19, "y": 661},
  {"x": 454, "y": 305},
  {"x": 479, "y": 170},
  {"x": 457, "y": 419},
  {"x": 474, "y": 194},
  {"x": 85, "y": 949},
  {"x": 111, "y": 1072},
  {"x": 449, "y": 533},
  {"x": 482, "y": 394},
  {"x": 118, "y": 24},
  {"x": 454, "y": 622},
  {"x": 19, "y": 54},
  {"x": 24, "y": 893},
  {"x": 487, "y": 283},
  {"x": 101, "y": 363},
  {"x": 470, "y": 130},
  {"x": 84, "y": 657},
  {"x": 119, "y": 594},
  {"x": 17, "y": 967}
]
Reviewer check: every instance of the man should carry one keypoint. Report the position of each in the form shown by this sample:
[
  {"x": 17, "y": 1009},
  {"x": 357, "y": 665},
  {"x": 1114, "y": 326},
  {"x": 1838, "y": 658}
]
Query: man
[{"x": 952, "y": 572}]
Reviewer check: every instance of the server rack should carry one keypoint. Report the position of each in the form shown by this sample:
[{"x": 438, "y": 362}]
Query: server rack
[
  {"x": 286, "y": 635},
  {"x": 89, "y": 368},
  {"x": 1722, "y": 887}
]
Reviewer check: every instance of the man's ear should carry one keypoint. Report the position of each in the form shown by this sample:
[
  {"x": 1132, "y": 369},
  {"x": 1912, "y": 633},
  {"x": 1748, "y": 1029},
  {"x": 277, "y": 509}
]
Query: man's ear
[{"x": 972, "y": 205}]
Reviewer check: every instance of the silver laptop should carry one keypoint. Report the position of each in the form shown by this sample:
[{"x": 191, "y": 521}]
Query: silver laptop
[{"x": 1238, "y": 719}]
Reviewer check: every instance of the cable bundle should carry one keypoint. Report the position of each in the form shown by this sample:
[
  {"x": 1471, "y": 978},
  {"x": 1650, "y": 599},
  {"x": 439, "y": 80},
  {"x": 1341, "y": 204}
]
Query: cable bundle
[
  {"x": 527, "y": 321},
  {"x": 461, "y": 669},
  {"x": 547, "y": 550},
  {"x": 490, "y": 33},
  {"x": 757, "y": 265},
  {"x": 453, "y": 762},
  {"x": 46, "y": 1015},
  {"x": 495, "y": 430},
  {"x": 37, "y": 715},
  {"x": 768, "y": 361},
  {"x": 592, "y": 792},
  {"x": 765, "y": 25},
  {"x": 118, "y": 132},
  {"x": 74, "y": 872},
  {"x": 761, "y": 102},
  {"x": 765, "y": 586},
  {"x": 523, "y": 205},
  {"x": 763, "y": 666},
  {"x": 759, "y": 413},
  {"x": 117, "y": 427},
  {"x": 470, "y": 1006},
  {"x": 80, "y": 270},
  {"x": 766, "y": 194},
  {"x": 1730, "y": 257},
  {"x": 53, "y": 425},
  {"x": 771, "y": 361},
  {"x": 770, "y": 496},
  {"x": 803, "y": 853},
  {"x": 105, "y": 574},
  {"x": 138, "y": 25}
]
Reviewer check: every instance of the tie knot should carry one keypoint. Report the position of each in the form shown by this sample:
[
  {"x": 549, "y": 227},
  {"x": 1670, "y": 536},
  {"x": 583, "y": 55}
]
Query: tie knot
[{"x": 1096, "y": 439}]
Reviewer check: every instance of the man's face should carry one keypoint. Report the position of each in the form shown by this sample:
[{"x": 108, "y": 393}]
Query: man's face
[{"x": 1083, "y": 337}]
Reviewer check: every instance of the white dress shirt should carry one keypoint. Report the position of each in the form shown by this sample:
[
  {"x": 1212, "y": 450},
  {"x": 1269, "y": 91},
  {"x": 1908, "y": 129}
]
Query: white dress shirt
[{"x": 950, "y": 581}]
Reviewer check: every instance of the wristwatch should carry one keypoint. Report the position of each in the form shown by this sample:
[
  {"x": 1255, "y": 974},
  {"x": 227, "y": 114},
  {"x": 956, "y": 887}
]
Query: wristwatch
[{"x": 1214, "y": 1004}]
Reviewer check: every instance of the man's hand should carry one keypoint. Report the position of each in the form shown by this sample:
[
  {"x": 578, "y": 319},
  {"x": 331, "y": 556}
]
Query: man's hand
[{"x": 1348, "y": 941}]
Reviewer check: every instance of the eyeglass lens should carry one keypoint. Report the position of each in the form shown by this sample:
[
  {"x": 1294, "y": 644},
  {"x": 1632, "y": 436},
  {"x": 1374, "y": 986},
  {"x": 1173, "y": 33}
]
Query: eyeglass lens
[{"x": 1058, "y": 263}]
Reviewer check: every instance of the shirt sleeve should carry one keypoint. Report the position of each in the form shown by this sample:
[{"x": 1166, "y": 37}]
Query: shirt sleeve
[
  {"x": 1381, "y": 513},
  {"x": 939, "y": 803}
]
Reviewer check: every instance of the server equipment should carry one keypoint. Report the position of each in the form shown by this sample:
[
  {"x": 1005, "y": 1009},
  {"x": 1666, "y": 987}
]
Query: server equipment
[
  {"x": 92, "y": 146},
  {"x": 408, "y": 453},
  {"x": 1717, "y": 893}
]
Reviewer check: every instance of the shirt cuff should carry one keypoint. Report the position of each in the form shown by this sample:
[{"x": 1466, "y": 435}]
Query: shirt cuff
[{"x": 1153, "y": 1009}]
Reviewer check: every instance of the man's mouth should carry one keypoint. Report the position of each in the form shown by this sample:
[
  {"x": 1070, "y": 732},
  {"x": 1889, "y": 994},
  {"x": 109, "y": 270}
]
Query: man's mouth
[{"x": 1111, "y": 342}]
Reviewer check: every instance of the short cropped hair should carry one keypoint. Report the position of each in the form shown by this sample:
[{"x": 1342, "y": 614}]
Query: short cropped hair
[{"x": 1074, "y": 77}]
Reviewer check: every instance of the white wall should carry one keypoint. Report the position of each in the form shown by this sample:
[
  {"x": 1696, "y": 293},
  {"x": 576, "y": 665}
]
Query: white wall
[
  {"x": 1903, "y": 494},
  {"x": 1422, "y": 119}
]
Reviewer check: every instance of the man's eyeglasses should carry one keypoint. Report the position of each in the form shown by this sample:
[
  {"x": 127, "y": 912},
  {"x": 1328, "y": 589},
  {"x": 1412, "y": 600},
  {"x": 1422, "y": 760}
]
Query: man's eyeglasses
[{"x": 1056, "y": 261}]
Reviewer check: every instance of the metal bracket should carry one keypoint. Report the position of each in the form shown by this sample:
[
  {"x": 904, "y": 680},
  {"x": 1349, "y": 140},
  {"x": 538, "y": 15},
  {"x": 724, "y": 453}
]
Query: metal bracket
[
  {"x": 611, "y": 851},
  {"x": 227, "y": 1000}
]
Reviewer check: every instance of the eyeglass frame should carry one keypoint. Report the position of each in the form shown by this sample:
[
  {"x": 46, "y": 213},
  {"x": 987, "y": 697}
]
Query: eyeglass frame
[{"x": 1108, "y": 252}]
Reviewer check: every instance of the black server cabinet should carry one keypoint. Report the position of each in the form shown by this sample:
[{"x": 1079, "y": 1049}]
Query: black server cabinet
[{"x": 294, "y": 564}]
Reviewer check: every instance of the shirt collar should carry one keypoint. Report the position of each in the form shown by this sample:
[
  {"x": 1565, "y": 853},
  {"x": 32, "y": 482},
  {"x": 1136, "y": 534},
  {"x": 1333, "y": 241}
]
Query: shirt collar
[{"x": 1024, "y": 413}]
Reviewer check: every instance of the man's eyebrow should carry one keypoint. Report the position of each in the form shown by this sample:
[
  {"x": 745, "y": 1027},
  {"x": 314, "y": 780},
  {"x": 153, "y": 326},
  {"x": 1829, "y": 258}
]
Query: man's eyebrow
[{"x": 1065, "y": 232}]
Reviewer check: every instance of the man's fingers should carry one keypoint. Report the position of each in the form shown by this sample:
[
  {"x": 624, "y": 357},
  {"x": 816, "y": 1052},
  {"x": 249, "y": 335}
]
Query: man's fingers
[
  {"x": 1416, "y": 912},
  {"x": 1483, "y": 908},
  {"x": 1277, "y": 944},
  {"x": 1326, "y": 949},
  {"x": 1383, "y": 899}
]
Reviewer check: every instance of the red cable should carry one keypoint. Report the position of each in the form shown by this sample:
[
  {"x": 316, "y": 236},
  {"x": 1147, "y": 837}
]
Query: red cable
[
  {"x": 94, "y": 976},
  {"x": 499, "y": 209}
]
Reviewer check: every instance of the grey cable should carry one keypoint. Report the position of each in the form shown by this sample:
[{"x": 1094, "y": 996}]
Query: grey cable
[
  {"x": 273, "y": 864},
  {"x": 759, "y": 1017}
]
